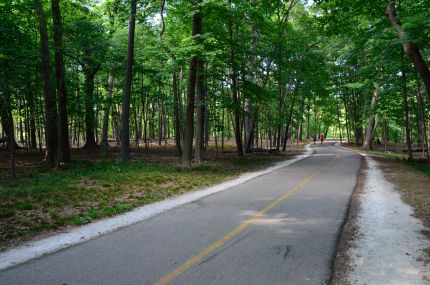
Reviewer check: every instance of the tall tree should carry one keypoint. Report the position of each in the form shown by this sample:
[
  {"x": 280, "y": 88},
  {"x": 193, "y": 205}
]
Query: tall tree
[
  {"x": 63, "y": 127},
  {"x": 234, "y": 87},
  {"x": 125, "y": 129},
  {"x": 51, "y": 130},
  {"x": 191, "y": 90}
]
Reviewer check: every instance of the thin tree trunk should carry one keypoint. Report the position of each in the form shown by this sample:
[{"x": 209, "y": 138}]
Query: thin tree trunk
[
  {"x": 176, "y": 115},
  {"x": 105, "y": 127},
  {"x": 422, "y": 119},
  {"x": 125, "y": 124},
  {"x": 160, "y": 120},
  {"x": 199, "y": 112},
  {"x": 236, "y": 103},
  {"x": 290, "y": 117},
  {"x": 385, "y": 134},
  {"x": 12, "y": 150},
  {"x": 338, "y": 121},
  {"x": 406, "y": 109},
  {"x": 371, "y": 122},
  {"x": 51, "y": 130},
  {"x": 136, "y": 133}
]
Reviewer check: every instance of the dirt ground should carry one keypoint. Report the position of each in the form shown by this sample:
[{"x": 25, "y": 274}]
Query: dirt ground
[
  {"x": 348, "y": 233},
  {"x": 29, "y": 162},
  {"x": 43, "y": 200},
  {"x": 414, "y": 187}
]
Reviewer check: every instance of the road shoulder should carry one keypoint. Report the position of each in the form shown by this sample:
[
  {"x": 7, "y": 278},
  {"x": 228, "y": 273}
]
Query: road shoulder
[{"x": 381, "y": 238}]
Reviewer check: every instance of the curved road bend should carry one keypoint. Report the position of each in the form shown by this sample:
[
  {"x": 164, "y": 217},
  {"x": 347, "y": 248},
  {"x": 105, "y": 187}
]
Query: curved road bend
[{"x": 280, "y": 228}]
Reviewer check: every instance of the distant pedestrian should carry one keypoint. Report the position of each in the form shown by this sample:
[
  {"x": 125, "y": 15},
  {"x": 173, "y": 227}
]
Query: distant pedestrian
[
  {"x": 315, "y": 138},
  {"x": 321, "y": 138}
]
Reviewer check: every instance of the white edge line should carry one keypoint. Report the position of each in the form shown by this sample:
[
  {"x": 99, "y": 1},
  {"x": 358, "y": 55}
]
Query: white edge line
[{"x": 35, "y": 249}]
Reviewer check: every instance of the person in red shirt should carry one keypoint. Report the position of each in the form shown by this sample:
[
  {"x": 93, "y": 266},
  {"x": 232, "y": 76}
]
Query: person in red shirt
[{"x": 321, "y": 138}]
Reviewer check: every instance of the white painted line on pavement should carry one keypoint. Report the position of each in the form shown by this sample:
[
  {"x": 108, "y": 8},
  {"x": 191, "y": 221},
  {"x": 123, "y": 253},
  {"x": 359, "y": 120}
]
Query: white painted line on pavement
[{"x": 84, "y": 233}]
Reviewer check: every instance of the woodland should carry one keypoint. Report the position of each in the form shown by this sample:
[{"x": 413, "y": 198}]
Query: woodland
[
  {"x": 89, "y": 74},
  {"x": 106, "y": 105}
]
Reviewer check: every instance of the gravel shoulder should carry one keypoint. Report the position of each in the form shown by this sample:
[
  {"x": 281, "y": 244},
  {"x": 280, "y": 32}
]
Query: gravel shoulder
[{"x": 383, "y": 241}]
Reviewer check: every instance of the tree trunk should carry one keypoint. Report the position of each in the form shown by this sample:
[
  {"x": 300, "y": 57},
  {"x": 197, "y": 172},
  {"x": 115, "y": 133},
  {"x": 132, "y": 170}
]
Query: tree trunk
[
  {"x": 338, "y": 121},
  {"x": 422, "y": 121},
  {"x": 235, "y": 97},
  {"x": 160, "y": 119},
  {"x": 199, "y": 112},
  {"x": 105, "y": 127},
  {"x": 406, "y": 109},
  {"x": 7, "y": 119},
  {"x": 51, "y": 130},
  {"x": 176, "y": 115},
  {"x": 300, "y": 119},
  {"x": 371, "y": 123},
  {"x": 63, "y": 128},
  {"x": 125, "y": 129},
  {"x": 385, "y": 134},
  {"x": 189, "y": 116},
  {"x": 290, "y": 115},
  {"x": 410, "y": 49},
  {"x": 136, "y": 133},
  {"x": 90, "y": 140},
  {"x": 308, "y": 120}
]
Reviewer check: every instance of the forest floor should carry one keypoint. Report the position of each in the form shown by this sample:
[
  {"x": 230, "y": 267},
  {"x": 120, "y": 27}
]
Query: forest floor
[
  {"x": 42, "y": 201},
  {"x": 392, "y": 216}
]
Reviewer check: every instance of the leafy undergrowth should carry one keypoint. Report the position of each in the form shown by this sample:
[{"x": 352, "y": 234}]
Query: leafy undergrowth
[{"x": 42, "y": 201}]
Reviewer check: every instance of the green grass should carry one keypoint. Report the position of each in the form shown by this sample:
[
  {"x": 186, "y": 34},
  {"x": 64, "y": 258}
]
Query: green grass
[
  {"x": 424, "y": 168},
  {"x": 43, "y": 201}
]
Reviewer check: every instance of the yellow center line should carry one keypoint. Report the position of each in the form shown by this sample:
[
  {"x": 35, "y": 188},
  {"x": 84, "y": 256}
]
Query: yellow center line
[{"x": 217, "y": 244}]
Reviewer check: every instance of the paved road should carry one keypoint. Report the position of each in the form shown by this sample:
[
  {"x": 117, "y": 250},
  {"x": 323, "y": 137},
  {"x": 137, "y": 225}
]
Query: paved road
[{"x": 280, "y": 228}]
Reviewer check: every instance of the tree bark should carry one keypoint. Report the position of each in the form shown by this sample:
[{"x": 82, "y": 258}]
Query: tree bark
[
  {"x": 125, "y": 124},
  {"x": 191, "y": 92},
  {"x": 300, "y": 119},
  {"x": 176, "y": 115},
  {"x": 51, "y": 129},
  {"x": 371, "y": 123},
  {"x": 235, "y": 97},
  {"x": 420, "y": 119},
  {"x": 308, "y": 114},
  {"x": 422, "y": 125},
  {"x": 199, "y": 114},
  {"x": 90, "y": 139},
  {"x": 7, "y": 119},
  {"x": 410, "y": 49},
  {"x": 105, "y": 126},
  {"x": 338, "y": 121},
  {"x": 406, "y": 109},
  {"x": 63, "y": 127},
  {"x": 290, "y": 116}
]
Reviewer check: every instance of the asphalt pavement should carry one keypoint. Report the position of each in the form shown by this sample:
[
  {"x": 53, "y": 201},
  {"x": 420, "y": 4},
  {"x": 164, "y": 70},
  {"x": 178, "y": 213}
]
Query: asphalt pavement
[{"x": 279, "y": 228}]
